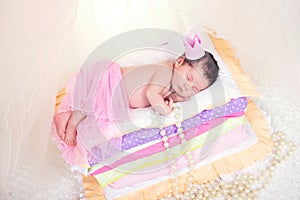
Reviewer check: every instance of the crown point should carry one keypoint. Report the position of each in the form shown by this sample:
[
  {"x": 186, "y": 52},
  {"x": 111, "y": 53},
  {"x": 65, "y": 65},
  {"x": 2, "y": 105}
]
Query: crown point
[{"x": 193, "y": 49}]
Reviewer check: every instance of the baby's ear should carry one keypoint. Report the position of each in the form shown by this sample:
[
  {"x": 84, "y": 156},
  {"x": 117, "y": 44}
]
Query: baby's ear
[{"x": 180, "y": 60}]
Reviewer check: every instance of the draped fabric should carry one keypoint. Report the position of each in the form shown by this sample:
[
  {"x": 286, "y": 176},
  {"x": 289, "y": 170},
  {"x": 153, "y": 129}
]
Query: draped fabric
[{"x": 44, "y": 43}]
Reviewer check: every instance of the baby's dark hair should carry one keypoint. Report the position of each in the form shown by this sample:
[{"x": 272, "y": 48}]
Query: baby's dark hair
[{"x": 210, "y": 67}]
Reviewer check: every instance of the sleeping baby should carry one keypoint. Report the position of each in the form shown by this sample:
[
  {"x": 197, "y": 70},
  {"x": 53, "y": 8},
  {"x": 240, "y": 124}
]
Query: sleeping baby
[{"x": 157, "y": 85}]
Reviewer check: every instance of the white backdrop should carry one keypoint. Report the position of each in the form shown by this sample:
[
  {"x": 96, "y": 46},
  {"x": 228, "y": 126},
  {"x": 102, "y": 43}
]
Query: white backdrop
[{"x": 42, "y": 43}]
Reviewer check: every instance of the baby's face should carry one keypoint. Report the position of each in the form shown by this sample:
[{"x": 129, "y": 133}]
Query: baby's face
[{"x": 187, "y": 79}]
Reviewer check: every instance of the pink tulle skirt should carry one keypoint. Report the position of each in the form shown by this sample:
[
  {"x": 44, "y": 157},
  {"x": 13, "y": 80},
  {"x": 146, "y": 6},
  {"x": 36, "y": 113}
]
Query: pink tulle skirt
[{"x": 98, "y": 91}]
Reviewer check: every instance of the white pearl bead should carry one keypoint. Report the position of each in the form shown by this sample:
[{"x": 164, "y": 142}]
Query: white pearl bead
[
  {"x": 179, "y": 130},
  {"x": 213, "y": 192},
  {"x": 279, "y": 148},
  {"x": 290, "y": 143},
  {"x": 162, "y": 132},
  {"x": 225, "y": 191},
  {"x": 166, "y": 144},
  {"x": 165, "y": 138},
  {"x": 245, "y": 176},
  {"x": 181, "y": 136},
  {"x": 177, "y": 116}
]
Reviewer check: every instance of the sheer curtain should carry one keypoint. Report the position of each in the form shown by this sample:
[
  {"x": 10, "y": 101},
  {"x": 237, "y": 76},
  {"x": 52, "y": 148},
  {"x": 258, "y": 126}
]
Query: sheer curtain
[{"x": 44, "y": 43}]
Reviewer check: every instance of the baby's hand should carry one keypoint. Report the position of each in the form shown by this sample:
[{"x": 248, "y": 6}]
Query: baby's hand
[
  {"x": 165, "y": 108},
  {"x": 170, "y": 103}
]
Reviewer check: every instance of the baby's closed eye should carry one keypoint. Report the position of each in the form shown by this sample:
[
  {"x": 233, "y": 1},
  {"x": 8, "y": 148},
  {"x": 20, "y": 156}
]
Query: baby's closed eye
[
  {"x": 190, "y": 77},
  {"x": 195, "y": 89}
]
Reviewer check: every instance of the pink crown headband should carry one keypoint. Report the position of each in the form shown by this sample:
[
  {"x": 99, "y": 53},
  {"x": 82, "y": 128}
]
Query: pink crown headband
[{"x": 193, "y": 49}]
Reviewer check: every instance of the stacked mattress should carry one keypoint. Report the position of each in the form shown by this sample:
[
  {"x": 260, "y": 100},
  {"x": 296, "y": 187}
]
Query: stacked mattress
[{"x": 220, "y": 134}]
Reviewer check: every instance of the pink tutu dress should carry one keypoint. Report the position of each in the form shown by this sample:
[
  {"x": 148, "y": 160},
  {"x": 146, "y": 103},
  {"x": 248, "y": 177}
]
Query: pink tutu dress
[{"x": 98, "y": 91}]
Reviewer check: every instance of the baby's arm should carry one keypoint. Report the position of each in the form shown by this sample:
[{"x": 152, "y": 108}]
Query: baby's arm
[
  {"x": 157, "y": 101},
  {"x": 158, "y": 82}
]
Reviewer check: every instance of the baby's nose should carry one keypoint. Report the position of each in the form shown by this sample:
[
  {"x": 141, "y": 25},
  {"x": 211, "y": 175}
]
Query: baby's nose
[{"x": 187, "y": 86}]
